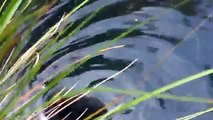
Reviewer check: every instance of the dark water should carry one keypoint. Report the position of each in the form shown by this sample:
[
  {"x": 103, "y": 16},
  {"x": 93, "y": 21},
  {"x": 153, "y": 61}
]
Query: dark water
[{"x": 150, "y": 44}]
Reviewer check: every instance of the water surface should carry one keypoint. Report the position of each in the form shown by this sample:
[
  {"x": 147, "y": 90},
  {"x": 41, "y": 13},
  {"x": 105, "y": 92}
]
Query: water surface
[{"x": 174, "y": 32}]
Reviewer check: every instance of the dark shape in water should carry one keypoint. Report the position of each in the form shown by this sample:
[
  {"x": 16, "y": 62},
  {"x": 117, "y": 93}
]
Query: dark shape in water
[
  {"x": 92, "y": 105},
  {"x": 152, "y": 49},
  {"x": 161, "y": 102},
  {"x": 95, "y": 82}
]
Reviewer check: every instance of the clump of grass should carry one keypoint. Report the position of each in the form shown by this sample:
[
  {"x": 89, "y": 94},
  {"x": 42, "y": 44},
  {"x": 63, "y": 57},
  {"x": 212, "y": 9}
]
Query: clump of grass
[{"x": 19, "y": 67}]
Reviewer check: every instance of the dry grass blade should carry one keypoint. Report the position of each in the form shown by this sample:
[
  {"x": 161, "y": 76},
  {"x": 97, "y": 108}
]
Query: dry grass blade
[
  {"x": 8, "y": 59},
  {"x": 90, "y": 90},
  {"x": 30, "y": 92},
  {"x": 113, "y": 102},
  {"x": 66, "y": 116},
  {"x": 49, "y": 112},
  {"x": 71, "y": 88},
  {"x": 31, "y": 51},
  {"x": 55, "y": 109},
  {"x": 114, "y": 47},
  {"x": 37, "y": 59},
  {"x": 40, "y": 86},
  {"x": 195, "y": 115},
  {"x": 4, "y": 99},
  {"x": 82, "y": 114}
]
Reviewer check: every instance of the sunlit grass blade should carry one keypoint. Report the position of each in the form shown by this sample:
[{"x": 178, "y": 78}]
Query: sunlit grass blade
[
  {"x": 17, "y": 90},
  {"x": 2, "y": 5},
  {"x": 78, "y": 28},
  {"x": 31, "y": 51},
  {"x": 47, "y": 103},
  {"x": 46, "y": 42},
  {"x": 6, "y": 62},
  {"x": 195, "y": 115},
  {"x": 8, "y": 13},
  {"x": 87, "y": 57},
  {"x": 140, "y": 92},
  {"x": 156, "y": 92},
  {"x": 96, "y": 86},
  {"x": 104, "y": 89},
  {"x": 52, "y": 83},
  {"x": 62, "y": 41},
  {"x": 25, "y": 5},
  {"x": 76, "y": 8},
  {"x": 12, "y": 39},
  {"x": 163, "y": 95},
  {"x": 21, "y": 20},
  {"x": 117, "y": 39}
]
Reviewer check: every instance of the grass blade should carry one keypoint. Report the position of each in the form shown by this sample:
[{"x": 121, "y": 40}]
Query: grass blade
[
  {"x": 8, "y": 13},
  {"x": 195, "y": 115},
  {"x": 156, "y": 92}
]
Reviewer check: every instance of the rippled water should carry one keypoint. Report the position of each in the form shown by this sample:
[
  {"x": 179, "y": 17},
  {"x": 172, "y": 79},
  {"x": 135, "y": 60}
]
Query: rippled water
[{"x": 168, "y": 49}]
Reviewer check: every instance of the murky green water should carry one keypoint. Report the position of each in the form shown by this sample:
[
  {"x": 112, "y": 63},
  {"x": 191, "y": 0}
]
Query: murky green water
[{"x": 177, "y": 44}]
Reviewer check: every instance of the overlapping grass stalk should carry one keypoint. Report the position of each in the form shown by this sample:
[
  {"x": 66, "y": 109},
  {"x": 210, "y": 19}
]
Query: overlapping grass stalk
[{"x": 16, "y": 23}]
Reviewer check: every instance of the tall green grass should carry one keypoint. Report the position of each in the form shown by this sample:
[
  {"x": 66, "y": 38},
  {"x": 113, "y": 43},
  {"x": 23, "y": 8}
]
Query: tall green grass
[{"x": 13, "y": 61}]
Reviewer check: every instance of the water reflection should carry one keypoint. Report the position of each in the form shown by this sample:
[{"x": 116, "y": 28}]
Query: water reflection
[{"x": 149, "y": 43}]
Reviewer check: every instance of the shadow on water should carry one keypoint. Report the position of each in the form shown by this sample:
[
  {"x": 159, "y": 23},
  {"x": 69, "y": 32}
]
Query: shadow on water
[{"x": 149, "y": 43}]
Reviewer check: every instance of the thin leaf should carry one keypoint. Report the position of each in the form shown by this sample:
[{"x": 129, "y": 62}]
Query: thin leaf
[
  {"x": 8, "y": 13},
  {"x": 195, "y": 115},
  {"x": 156, "y": 92}
]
